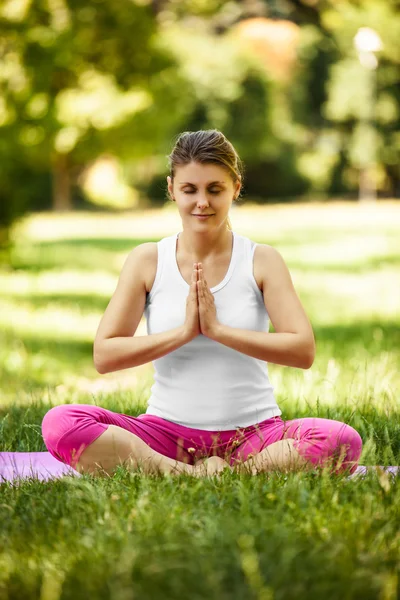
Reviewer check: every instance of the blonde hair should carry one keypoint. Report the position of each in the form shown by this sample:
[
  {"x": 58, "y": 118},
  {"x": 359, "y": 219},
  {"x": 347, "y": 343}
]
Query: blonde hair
[{"x": 206, "y": 146}]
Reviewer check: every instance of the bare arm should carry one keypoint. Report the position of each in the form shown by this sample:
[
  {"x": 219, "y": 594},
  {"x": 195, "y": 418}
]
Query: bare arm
[
  {"x": 115, "y": 346},
  {"x": 286, "y": 349},
  {"x": 293, "y": 344},
  {"x": 126, "y": 352}
]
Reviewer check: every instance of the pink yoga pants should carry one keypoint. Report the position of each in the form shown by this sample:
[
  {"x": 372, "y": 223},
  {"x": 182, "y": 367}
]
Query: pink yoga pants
[{"x": 68, "y": 429}]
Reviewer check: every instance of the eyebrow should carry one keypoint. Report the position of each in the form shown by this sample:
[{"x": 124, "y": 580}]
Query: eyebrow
[{"x": 193, "y": 184}]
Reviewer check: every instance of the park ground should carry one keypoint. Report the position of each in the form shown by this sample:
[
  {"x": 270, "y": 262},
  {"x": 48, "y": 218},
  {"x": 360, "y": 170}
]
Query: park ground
[{"x": 269, "y": 537}]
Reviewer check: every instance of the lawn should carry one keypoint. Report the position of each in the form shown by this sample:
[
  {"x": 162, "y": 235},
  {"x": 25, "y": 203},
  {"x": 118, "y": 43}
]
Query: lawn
[{"x": 267, "y": 537}]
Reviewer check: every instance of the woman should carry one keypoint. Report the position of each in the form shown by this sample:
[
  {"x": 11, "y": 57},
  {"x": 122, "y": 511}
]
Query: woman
[{"x": 208, "y": 294}]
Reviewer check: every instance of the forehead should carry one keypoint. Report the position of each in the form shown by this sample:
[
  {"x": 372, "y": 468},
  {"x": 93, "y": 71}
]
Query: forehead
[{"x": 198, "y": 173}]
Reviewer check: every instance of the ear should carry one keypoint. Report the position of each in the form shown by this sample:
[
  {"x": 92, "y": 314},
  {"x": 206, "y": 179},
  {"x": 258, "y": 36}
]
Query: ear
[
  {"x": 170, "y": 186},
  {"x": 237, "y": 188}
]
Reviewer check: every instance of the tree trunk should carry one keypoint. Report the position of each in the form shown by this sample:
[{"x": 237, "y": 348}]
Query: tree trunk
[
  {"x": 62, "y": 199},
  {"x": 367, "y": 186}
]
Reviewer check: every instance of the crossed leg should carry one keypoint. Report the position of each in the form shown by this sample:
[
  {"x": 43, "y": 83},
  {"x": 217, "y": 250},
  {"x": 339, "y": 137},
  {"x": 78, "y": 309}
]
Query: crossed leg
[
  {"x": 280, "y": 456},
  {"x": 301, "y": 444},
  {"x": 118, "y": 446},
  {"x": 279, "y": 445}
]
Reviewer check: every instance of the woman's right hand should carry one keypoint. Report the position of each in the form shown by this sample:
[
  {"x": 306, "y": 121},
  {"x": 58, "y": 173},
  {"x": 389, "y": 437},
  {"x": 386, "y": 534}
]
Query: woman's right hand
[{"x": 192, "y": 323}]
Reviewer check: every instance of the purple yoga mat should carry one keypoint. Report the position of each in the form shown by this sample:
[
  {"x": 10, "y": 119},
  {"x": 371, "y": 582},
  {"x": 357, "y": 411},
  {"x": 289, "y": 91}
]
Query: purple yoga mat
[
  {"x": 39, "y": 465},
  {"x": 362, "y": 470},
  {"x": 43, "y": 466}
]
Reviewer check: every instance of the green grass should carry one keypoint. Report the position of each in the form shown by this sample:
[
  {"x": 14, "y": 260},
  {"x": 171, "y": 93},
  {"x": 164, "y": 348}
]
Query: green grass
[{"x": 273, "y": 536}]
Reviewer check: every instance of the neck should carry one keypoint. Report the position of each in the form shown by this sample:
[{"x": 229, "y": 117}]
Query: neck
[{"x": 201, "y": 247}]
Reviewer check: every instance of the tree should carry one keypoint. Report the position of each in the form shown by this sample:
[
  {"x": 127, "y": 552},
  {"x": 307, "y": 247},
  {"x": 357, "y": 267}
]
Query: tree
[{"x": 73, "y": 76}]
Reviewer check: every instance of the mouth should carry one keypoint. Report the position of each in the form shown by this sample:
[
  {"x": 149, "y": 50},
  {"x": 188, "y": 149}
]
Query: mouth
[{"x": 202, "y": 216}]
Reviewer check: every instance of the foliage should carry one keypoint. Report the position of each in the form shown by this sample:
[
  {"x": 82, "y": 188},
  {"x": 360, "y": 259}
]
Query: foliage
[
  {"x": 72, "y": 83},
  {"x": 80, "y": 81}
]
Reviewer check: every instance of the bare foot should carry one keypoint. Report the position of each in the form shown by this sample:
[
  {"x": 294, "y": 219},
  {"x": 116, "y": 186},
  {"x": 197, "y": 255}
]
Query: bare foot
[
  {"x": 246, "y": 469},
  {"x": 207, "y": 467}
]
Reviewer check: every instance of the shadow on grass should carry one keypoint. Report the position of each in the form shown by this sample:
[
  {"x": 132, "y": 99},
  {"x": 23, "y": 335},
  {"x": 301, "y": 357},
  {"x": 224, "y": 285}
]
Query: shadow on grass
[
  {"x": 65, "y": 350},
  {"x": 42, "y": 362},
  {"x": 376, "y": 336},
  {"x": 384, "y": 335},
  {"x": 81, "y": 253}
]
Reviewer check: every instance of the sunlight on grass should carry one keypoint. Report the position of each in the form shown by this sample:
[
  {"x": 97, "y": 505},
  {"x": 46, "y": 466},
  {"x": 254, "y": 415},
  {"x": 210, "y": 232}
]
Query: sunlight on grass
[
  {"x": 354, "y": 383},
  {"x": 50, "y": 323},
  {"x": 46, "y": 226},
  {"x": 343, "y": 297},
  {"x": 70, "y": 282},
  {"x": 354, "y": 250}
]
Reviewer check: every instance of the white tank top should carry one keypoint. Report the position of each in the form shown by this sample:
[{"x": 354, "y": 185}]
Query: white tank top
[{"x": 204, "y": 384}]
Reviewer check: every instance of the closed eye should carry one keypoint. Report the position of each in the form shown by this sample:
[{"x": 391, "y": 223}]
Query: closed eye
[{"x": 187, "y": 192}]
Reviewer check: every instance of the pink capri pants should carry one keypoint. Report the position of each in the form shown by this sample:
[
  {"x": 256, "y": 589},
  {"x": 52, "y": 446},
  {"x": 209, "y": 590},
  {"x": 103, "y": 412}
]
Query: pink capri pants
[{"x": 68, "y": 429}]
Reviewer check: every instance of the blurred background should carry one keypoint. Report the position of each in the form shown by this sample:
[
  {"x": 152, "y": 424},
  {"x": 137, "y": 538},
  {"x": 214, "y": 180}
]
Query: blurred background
[{"x": 94, "y": 93}]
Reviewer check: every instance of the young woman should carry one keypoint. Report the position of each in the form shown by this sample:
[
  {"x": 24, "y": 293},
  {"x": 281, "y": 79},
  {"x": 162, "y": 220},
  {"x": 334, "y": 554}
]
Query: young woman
[{"x": 208, "y": 294}]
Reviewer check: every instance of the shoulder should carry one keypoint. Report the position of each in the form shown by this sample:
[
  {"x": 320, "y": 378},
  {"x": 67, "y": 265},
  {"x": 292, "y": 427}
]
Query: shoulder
[
  {"x": 143, "y": 252},
  {"x": 265, "y": 251},
  {"x": 147, "y": 250},
  {"x": 145, "y": 255},
  {"x": 268, "y": 265}
]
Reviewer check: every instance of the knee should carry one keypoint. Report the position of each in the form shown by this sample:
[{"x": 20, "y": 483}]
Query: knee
[
  {"x": 352, "y": 439},
  {"x": 333, "y": 441},
  {"x": 49, "y": 424},
  {"x": 55, "y": 423}
]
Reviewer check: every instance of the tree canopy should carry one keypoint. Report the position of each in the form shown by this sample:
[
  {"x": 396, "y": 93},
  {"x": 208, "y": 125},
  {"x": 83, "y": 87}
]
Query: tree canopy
[{"x": 283, "y": 80}]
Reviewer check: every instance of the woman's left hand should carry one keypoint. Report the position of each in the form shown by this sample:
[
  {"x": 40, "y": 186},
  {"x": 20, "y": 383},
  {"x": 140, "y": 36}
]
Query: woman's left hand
[{"x": 207, "y": 310}]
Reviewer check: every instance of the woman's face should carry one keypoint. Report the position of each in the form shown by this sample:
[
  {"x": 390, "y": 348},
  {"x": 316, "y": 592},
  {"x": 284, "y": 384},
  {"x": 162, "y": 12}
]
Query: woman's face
[{"x": 203, "y": 189}]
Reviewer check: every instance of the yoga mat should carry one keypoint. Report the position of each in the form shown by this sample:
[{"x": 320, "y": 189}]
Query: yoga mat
[
  {"x": 43, "y": 466},
  {"x": 363, "y": 470},
  {"x": 39, "y": 465}
]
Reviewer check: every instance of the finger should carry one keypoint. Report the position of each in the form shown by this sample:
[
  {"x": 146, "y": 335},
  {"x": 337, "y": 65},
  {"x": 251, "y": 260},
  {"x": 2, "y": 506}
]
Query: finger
[
  {"x": 202, "y": 278},
  {"x": 194, "y": 282},
  {"x": 201, "y": 275}
]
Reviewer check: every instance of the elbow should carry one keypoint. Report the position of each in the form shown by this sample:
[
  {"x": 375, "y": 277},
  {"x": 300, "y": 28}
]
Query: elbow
[
  {"x": 308, "y": 357},
  {"x": 305, "y": 353},
  {"x": 99, "y": 366},
  {"x": 98, "y": 361},
  {"x": 307, "y": 364}
]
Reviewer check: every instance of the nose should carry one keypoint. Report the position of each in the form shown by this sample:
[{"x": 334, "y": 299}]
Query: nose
[{"x": 202, "y": 202}]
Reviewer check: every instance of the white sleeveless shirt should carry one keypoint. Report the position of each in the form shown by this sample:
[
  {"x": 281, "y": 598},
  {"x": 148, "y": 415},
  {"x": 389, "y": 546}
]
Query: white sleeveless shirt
[{"x": 204, "y": 384}]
